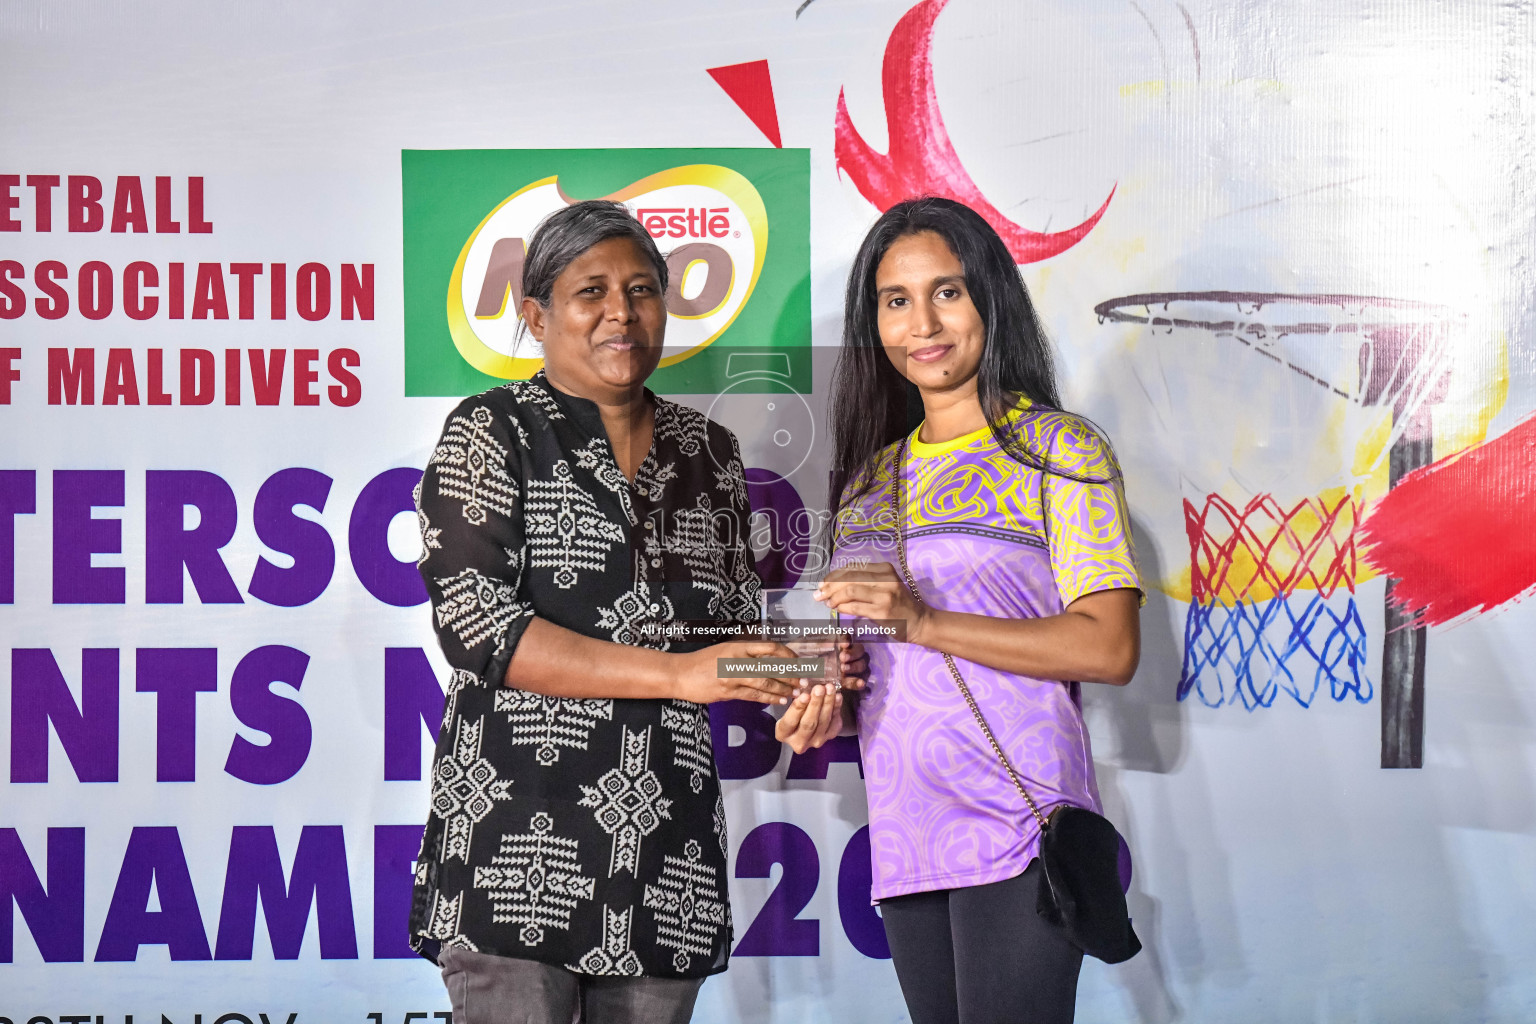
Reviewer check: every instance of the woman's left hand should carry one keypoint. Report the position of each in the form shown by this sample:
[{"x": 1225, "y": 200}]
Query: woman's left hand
[
  {"x": 874, "y": 591},
  {"x": 812, "y": 718}
]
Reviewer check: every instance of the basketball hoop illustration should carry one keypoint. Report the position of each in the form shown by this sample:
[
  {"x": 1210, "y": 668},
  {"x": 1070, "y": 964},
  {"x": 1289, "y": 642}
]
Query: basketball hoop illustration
[
  {"x": 1272, "y": 582},
  {"x": 1272, "y": 604}
]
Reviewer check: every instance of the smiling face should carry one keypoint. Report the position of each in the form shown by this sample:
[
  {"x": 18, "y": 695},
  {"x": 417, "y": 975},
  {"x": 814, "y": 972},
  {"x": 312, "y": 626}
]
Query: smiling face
[
  {"x": 930, "y": 329},
  {"x": 602, "y": 331}
]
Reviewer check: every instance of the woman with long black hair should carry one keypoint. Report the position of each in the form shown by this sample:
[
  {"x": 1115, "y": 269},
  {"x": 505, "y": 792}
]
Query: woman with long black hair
[{"x": 1006, "y": 515}]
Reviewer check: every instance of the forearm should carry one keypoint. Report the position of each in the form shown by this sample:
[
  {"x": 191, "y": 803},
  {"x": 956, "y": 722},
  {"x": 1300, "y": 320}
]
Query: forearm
[
  {"x": 558, "y": 662},
  {"x": 1076, "y": 645}
]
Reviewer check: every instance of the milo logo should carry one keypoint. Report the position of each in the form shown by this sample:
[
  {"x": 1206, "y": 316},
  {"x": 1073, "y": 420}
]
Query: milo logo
[
  {"x": 737, "y": 255},
  {"x": 709, "y": 279}
]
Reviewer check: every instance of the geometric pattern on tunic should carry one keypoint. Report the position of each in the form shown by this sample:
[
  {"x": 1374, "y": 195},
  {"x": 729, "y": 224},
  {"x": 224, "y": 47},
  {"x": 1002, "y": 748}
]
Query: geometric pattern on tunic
[
  {"x": 686, "y": 900},
  {"x": 651, "y": 480},
  {"x": 740, "y": 601},
  {"x": 691, "y": 749},
  {"x": 720, "y": 821},
  {"x": 514, "y": 562},
  {"x": 733, "y": 482},
  {"x": 627, "y": 801},
  {"x": 682, "y": 425},
  {"x": 464, "y": 789},
  {"x": 691, "y": 533},
  {"x": 529, "y": 393},
  {"x": 630, "y": 611},
  {"x": 472, "y": 467},
  {"x": 535, "y": 880},
  {"x": 443, "y": 922},
  {"x": 429, "y": 533},
  {"x": 614, "y": 956},
  {"x": 595, "y": 457},
  {"x": 565, "y": 529},
  {"x": 550, "y": 723},
  {"x": 461, "y": 942},
  {"x": 457, "y": 683},
  {"x": 477, "y": 607}
]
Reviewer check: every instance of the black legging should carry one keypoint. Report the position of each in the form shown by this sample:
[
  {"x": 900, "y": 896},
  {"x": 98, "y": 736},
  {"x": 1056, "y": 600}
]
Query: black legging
[{"x": 981, "y": 955}]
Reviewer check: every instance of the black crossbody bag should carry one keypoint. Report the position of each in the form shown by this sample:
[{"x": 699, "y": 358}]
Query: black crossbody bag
[{"x": 1079, "y": 850}]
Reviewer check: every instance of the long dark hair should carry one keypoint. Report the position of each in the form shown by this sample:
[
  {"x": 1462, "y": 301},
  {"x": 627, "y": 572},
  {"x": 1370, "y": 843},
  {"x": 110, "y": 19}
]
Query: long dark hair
[{"x": 873, "y": 405}]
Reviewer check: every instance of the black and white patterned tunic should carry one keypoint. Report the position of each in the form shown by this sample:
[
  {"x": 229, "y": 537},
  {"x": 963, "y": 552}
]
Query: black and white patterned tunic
[{"x": 586, "y": 833}]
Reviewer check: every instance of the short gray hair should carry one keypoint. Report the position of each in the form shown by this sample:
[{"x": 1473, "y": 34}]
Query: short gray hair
[{"x": 565, "y": 234}]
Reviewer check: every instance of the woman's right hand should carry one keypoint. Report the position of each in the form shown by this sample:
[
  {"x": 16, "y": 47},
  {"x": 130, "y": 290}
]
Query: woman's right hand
[
  {"x": 812, "y": 718},
  {"x": 699, "y": 679}
]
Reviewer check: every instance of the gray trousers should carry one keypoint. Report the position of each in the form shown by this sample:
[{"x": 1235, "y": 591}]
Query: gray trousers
[{"x": 488, "y": 989}]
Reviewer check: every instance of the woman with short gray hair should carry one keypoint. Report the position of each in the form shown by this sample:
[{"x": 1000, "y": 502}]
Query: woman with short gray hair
[{"x": 574, "y": 859}]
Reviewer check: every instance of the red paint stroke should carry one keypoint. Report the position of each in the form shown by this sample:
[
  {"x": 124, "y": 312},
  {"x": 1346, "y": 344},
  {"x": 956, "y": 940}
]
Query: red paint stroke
[
  {"x": 1457, "y": 536},
  {"x": 749, "y": 85},
  {"x": 922, "y": 160}
]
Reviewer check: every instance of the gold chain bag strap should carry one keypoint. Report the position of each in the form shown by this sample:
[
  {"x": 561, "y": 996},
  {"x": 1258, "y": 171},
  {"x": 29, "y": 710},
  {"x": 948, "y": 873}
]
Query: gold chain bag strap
[
  {"x": 949, "y": 660},
  {"x": 1079, "y": 850}
]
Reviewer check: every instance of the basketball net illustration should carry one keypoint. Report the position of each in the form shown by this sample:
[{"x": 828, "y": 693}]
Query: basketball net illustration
[{"x": 1272, "y": 580}]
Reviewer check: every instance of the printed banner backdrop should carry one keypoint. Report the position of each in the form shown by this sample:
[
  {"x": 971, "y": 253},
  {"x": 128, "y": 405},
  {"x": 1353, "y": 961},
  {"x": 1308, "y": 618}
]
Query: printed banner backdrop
[{"x": 250, "y": 258}]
